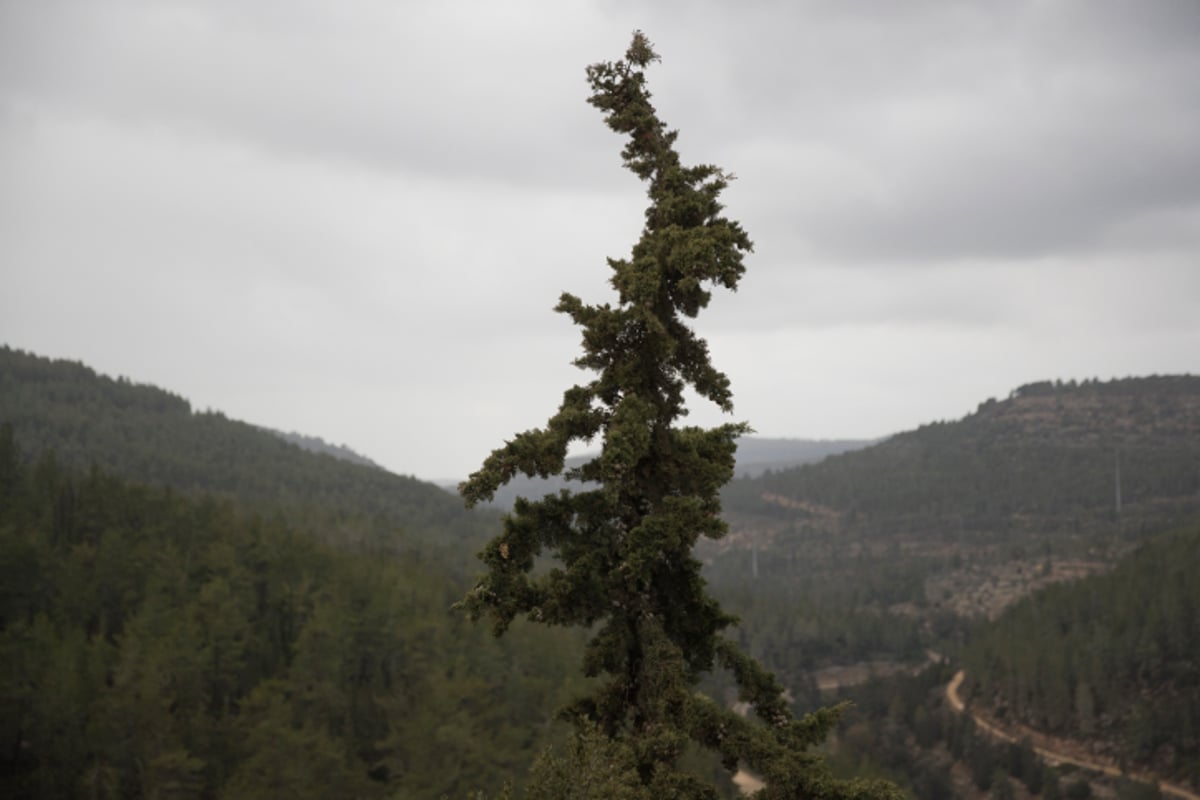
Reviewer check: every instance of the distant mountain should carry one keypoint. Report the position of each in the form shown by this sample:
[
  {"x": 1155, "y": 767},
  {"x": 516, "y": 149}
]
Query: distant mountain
[
  {"x": 149, "y": 435},
  {"x": 756, "y": 455}
]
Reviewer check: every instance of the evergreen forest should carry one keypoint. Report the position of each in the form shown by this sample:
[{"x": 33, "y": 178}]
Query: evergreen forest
[
  {"x": 186, "y": 632},
  {"x": 1114, "y": 659},
  {"x": 161, "y": 643}
]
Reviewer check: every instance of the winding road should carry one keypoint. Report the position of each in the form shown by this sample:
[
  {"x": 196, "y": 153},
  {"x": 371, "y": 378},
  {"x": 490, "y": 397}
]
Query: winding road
[{"x": 1052, "y": 756}]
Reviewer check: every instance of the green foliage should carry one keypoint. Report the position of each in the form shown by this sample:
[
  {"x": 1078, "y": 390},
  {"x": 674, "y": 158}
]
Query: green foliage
[
  {"x": 595, "y": 767},
  {"x": 1116, "y": 652},
  {"x": 1001, "y": 787},
  {"x": 623, "y": 564},
  {"x": 1051, "y": 785},
  {"x": 1112, "y": 656},
  {"x": 157, "y": 645},
  {"x": 292, "y": 760},
  {"x": 902, "y": 726},
  {"x": 795, "y": 617},
  {"x": 1078, "y": 790},
  {"x": 148, "y": 435},
  {"x": 1136, "y": 790}
]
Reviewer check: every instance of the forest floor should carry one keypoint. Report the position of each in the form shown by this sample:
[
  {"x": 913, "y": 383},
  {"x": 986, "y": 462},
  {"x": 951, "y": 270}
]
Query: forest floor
[{"x": 1055, "y": 750}]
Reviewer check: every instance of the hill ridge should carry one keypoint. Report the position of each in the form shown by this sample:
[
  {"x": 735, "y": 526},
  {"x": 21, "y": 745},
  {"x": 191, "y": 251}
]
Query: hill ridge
[{"x": 147, "y": 434}]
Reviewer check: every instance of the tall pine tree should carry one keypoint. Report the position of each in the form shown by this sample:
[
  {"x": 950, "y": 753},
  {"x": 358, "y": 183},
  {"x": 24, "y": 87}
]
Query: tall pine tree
[{"x": 623, "y": 550}]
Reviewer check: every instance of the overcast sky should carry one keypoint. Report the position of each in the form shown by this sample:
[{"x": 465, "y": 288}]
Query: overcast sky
[{"x": 352, "y": 219}]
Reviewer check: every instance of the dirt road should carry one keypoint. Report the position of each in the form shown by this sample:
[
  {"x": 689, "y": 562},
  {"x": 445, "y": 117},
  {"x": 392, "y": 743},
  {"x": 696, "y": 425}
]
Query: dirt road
[{"x": 1050, "y": 751}]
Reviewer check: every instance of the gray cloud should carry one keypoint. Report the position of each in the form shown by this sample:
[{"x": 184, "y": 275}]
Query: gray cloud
[
  {"x": 956, "y": 130},
  {"x": 353, "y": 219},
  {"x": 418, "y": 88}
]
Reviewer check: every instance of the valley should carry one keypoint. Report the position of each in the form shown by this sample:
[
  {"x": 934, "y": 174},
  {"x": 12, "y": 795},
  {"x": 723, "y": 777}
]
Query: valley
[
  {"x": 1056, "y": 751},
  {"x": 845, "y": 573}
]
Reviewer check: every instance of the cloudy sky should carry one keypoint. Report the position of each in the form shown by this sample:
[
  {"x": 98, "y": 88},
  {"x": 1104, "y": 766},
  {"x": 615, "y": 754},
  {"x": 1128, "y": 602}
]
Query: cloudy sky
[{"x": 353, "y": 219}]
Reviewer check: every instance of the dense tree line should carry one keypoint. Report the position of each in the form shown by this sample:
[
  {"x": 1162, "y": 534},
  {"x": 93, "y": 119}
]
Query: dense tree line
[
  {"x": 796, "y": 623},
  {"x": 154, "y": 644},
  {"x": 149, "y": 435},
  {"x": 1114, "y": 658}
]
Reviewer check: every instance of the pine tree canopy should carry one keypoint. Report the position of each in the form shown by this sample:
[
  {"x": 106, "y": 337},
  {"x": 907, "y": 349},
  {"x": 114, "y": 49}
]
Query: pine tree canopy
[{"x": 621, "y": 546}]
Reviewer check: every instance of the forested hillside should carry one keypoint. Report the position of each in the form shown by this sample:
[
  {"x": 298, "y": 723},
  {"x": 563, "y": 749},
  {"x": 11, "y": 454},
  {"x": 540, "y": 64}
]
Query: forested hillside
[
  {"x": 1050, "y": 453},
  {"x": 160, "y": 645},
  {"x": 1114, "y": 659},
  {"x": 146, "y": 434},
  {"x": 1104, "y": 671},
  {"x": 952, "y": 521},
  {"x": 875, "y": 555},
  {"x": 235, "y": 612},
  {"x": 250, "y": 573}
]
